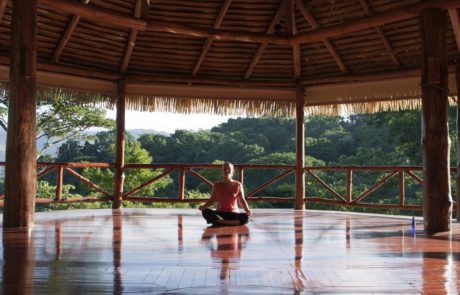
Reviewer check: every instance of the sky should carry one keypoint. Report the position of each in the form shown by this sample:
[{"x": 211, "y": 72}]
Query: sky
[{"x": 169, "y": 122}]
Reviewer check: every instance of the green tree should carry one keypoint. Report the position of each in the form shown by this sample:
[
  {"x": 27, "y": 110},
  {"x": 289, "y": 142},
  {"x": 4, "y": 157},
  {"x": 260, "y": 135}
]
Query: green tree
[
  {"x": 134, "y": 153},
  {"x": 60, "y": 119}
]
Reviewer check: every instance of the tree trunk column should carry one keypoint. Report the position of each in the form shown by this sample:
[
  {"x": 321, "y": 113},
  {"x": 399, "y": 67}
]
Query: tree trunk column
[
  {"x": 437, "y": 201},
  {"x": 21, "y": 152},
  {"x": 300, "y": 150},
  {"x": 119, "y": 178},
  {"x": 457, "y": 80}
]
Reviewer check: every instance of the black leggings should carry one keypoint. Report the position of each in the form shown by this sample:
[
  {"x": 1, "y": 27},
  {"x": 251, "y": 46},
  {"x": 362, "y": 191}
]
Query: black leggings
[{"x": 212, "y": 216}]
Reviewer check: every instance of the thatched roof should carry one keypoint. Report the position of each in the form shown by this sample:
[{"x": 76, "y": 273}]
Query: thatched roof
[{"x": 234, "y": 56}]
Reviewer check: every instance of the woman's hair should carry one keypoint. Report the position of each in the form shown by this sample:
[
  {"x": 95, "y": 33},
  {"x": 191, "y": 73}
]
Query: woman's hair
[{"x": 232, "y": 168}]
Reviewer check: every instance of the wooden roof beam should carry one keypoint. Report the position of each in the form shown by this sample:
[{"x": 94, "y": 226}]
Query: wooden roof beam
[
  {"x": 256, "y": 57},
  {"x": 381, "y": 35},
  {"x": 314, "y": 24},
  {"x": 393, "y": 15},
  {"x": 207, "y": 44},
  {"x": 455, "y": 25},
  {"x": 351, "y": 78},
  {"x": 140, "y": 9},
  {"x": 122, "y": 20},
  {"x": 3, "y": 4},
  {"x": 66, "y": 37},
  {"x": 216, "y": 34}
]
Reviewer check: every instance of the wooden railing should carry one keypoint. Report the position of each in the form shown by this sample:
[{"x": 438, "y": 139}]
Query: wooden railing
[{"x": 344, "y": 198}]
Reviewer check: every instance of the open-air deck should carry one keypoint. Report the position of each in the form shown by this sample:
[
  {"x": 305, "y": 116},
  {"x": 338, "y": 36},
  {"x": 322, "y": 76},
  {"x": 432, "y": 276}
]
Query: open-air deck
[
  {"x": 257, "y": 57},
  {"x": 151, "y": 251}
]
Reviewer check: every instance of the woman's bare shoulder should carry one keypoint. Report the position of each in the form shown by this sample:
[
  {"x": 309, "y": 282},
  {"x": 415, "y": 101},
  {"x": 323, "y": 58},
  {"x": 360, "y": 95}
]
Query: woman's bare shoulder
[{"x": 237, "y": 183}]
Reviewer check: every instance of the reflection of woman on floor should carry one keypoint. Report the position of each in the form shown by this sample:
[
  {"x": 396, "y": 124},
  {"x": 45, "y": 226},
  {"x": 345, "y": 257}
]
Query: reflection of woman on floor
[
  {"x": 227, "y": 194},
  {"x": 230, "y": 244}
]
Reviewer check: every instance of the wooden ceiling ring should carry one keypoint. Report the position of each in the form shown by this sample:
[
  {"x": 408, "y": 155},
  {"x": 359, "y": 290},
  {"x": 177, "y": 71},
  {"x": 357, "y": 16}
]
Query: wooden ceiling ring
[{"x": 122, "y": 20}]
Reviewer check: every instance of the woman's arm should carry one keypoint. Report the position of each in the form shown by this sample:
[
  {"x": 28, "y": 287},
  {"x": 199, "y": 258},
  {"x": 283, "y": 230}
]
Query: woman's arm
[
  {"x": 211, "y": 200},
  {"x": 243, "y": 202}
]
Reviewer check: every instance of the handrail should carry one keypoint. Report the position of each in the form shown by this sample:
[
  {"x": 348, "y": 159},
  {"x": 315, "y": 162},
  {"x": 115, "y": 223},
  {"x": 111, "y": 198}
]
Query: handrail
[{"x": 347, "y": 199}]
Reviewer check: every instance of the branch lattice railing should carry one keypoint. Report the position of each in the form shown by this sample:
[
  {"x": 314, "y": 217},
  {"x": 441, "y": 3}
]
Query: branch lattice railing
[{"x": 345, "y": 195}]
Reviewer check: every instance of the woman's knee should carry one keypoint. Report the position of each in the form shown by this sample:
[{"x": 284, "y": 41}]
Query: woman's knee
[
  {"x": 244, "y": 218},
  {"x": 207, "y": 212}
]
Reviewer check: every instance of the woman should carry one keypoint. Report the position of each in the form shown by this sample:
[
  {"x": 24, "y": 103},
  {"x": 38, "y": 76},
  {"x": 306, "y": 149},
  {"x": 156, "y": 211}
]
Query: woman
[{"x": 227, "y": 193}]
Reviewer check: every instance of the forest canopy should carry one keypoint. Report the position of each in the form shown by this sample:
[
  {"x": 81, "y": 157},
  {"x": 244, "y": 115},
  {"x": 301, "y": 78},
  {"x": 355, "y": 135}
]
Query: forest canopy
[{"x": 386, "y": 139}]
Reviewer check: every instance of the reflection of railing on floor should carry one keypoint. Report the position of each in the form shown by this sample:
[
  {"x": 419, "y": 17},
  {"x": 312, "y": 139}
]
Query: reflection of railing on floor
[{"x": 345, "y": 198}]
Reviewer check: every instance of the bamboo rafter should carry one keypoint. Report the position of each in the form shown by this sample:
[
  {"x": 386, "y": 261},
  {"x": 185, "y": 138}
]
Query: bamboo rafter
[
  {"x": 68, "y": 33},
  {"x": 140, "y": 6},
  {"x": 381, "y": 35},
  {"x": 314, "y": 24},
  {"x": 261, "y": 49},
  {"x": 208, "y": 43}
]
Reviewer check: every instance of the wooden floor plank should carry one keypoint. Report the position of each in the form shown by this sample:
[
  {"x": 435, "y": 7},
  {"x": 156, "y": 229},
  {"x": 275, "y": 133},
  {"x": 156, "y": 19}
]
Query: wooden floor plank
[{"x": 280, "y": 252}]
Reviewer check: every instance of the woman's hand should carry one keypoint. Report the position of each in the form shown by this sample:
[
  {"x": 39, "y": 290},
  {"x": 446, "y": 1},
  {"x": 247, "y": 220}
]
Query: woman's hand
[{"x": 249, "y": 212}]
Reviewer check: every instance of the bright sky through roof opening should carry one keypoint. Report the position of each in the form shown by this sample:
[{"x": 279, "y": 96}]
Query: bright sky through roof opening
[{"x": 169, "y": 122}]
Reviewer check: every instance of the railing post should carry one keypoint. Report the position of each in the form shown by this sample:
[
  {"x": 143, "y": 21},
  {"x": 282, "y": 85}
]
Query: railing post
[
  {"x": 181, "y": 189},
  {"x": 402, "y": 191},
  {"x": 300, "y": 149},
  {"x": 60, "y": 175},
  {"x": 241, "y": 175},
  {"x": 119, "y": 177},
  {"x": 349, "y": 186}
]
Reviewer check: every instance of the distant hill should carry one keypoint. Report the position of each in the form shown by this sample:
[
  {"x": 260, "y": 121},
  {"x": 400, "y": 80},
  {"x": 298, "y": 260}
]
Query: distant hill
[
  {"x": 53, "y": 149},
  {"x": 138, "y": 132}
]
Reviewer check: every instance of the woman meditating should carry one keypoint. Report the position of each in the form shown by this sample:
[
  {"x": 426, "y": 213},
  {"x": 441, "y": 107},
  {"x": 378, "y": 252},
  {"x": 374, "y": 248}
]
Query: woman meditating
[{"x": 227, "y": 194}]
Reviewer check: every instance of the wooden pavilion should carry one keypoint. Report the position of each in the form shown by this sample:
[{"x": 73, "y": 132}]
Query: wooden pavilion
[{"x": 275, "y": 57}]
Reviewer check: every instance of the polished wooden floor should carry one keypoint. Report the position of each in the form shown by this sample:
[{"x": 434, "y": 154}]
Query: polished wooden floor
[{"x": 152, "y": 251}]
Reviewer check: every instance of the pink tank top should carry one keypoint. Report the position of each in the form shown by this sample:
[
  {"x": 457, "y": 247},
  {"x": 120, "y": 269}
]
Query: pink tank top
[{"x": 227, "y": 196}]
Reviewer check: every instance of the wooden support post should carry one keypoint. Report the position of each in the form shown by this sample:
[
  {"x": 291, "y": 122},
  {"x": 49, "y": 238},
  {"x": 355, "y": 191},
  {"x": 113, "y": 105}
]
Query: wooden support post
[
  {"x": 60, "y": 176},
  {"x": 300, "y": 150},
  {"x": 21, "y": 152},
  {"x": 437, "y": 201},
  {"x": 181, "y": 189},
  {"x": 457, "y": 80},
  {"x": 299, "y": 243},
  {"x": 349, "y": 183},
  {"x": 117, "y": 242},
  {"x": 58, "y": 239},
  {"x": 180, "y": 233},
  {"x": 120, "y": 160},
  {"x": 18, "y": 261}
]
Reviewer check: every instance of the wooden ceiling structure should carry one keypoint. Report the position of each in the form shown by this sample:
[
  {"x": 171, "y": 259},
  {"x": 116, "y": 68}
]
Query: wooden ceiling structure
[
  {"x": 234, "y": 56},
  {"x": 260, "y": 57}
]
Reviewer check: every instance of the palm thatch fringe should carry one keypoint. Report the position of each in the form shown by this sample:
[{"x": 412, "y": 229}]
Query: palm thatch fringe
[
  {"x": 368, "y": 107},
  {"x": 227, "y": 107},
  {"x": 211, "y": 106},
  {"x": 47, "y": 93},
  {"x": 76, "y": 96}
]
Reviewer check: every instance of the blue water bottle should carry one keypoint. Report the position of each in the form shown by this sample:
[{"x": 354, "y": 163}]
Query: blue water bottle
[{"x": 413, "y": 226}]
